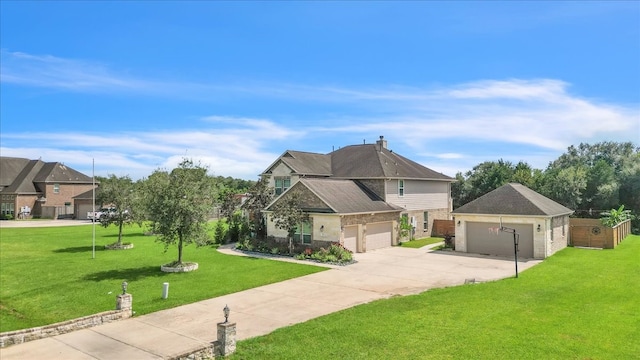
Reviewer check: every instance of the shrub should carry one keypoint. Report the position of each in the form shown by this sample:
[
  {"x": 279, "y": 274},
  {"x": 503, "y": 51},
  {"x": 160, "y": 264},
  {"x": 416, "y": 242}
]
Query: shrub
[
  {"x": 219, "y": 233},
  {"x": 275, "y": 251}
]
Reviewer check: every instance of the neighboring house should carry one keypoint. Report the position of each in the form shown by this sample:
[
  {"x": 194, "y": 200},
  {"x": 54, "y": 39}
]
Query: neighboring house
[
  {"x": 541, "y": 223},
  {"x": 46, "y": 189},
  {"x": 356, "y": 195}
]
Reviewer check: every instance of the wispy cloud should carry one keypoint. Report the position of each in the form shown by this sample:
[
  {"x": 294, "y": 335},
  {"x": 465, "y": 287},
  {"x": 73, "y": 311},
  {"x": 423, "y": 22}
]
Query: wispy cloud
[{"x": 541, "y": 114}]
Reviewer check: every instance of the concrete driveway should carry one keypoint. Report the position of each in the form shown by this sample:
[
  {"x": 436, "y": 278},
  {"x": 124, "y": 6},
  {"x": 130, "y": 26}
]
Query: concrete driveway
[{"x": 378, "y": 274}]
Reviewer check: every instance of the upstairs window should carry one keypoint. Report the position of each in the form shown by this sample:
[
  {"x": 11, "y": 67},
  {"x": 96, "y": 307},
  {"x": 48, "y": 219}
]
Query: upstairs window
[
  {"x": 282, "y": 184},
  {"x": 56, "y": 188},
  {"x": 400, "y": 187}
]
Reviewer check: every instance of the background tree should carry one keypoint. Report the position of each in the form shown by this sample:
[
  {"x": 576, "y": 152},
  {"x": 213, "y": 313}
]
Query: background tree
[
  {"x": 289, "y": 216},
  {"x": 260, "y": 196},
  {"x": 178, "y": 205},
  {"x": 119, "y": 193}
]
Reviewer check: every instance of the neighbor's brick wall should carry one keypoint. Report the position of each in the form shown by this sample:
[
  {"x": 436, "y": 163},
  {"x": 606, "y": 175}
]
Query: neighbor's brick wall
[{"x": 66, "y": 194}]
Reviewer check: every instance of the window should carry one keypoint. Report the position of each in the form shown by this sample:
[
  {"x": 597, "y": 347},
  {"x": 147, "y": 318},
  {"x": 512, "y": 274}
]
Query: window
[
  {"x": 56, "y": 188},
  {"x": 425, "y": 222},
  {"x": 400, "y": 187},
  {"x": 306, "y": 233},
  {"x": 282, "y": 184},
  {"x": 6, "y": 208}
]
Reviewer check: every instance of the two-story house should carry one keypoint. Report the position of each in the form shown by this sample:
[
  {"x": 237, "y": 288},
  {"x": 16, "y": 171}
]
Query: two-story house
[
  {"x": 356, "y": 195},
  {"x": 34, "y": 188}
]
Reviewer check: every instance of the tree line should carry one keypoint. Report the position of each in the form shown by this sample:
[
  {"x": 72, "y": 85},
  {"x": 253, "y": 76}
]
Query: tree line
[{"x": 588, "y": 178}]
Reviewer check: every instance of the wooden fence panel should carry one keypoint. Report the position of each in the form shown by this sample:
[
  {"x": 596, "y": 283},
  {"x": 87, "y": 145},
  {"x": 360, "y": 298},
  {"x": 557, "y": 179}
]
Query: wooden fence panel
[{"x": 443, "y": 227}]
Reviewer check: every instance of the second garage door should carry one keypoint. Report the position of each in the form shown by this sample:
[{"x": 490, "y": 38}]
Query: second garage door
[
  {"x": 378, "y": 235},
  {"x": 483, "y": 239},
  {"x": 350, "y": 237}
]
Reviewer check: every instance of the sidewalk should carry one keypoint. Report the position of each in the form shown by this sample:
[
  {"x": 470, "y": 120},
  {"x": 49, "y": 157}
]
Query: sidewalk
[{"x": 378, "y": 274}]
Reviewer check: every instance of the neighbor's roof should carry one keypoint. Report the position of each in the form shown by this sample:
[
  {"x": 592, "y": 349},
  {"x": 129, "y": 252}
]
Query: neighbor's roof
[
  {"x": 513, "y": 199},
  {"x": 19, "y": 175},
  {"x": 373, "y": 161},
  {"x": 343, "y": 196},
  {"x": 58, "y": 172}
]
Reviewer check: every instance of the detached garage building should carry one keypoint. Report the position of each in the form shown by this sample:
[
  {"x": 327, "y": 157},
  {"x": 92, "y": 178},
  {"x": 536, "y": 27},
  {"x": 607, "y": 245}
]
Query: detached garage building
[{"x": 542, "y": 224}]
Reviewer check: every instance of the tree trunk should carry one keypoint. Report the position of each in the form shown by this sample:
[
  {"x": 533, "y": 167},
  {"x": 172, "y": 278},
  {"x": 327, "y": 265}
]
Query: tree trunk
[
  {"x": 120, "y": 233},
  {"x": 180, "y": 248}
]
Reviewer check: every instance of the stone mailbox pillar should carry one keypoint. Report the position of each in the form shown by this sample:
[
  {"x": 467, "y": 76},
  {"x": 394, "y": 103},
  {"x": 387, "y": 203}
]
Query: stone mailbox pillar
[{"x": 226, "y": 344}]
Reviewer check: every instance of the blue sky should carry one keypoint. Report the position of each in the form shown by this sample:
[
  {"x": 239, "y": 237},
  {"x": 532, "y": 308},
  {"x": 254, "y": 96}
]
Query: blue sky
[{"x": 139, "y": 85}]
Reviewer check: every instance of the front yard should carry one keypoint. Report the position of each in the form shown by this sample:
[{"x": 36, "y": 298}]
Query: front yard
[
  {"x": 578, "y": 304},
  {"x": 48, "y": 274}
]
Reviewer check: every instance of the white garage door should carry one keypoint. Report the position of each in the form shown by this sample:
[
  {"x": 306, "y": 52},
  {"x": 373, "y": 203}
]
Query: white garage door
[
  {"x": 482, "y": 240},
  {"x": 378, "y": 235},
  {"x": 350, "y": 237}
]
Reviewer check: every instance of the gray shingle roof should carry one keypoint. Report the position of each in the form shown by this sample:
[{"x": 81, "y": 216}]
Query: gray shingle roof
[
  {"x": 343, "y": 197},
  {"x": 347, "y": 196},
  {"x": 372, "y": 161},
  {"x": 21, "y": 176},
  {"x": 58, "y": 172},
  {"x": 307, "y": 163},
  {"x": 513, "y": 199}
]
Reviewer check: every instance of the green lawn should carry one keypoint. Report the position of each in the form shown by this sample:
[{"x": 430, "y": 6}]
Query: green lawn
[
  {"x": 48, "y": 274},
  {"x": 578, "y": 304},
  {"x": 418, "y": 243}
]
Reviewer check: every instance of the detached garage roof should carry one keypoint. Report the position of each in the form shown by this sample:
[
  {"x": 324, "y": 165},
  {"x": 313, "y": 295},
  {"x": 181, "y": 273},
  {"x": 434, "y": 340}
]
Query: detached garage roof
[{"x": 513, "y": 199}]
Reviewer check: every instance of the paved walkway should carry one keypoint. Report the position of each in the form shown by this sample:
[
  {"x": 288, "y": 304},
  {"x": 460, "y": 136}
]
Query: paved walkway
[{"x": 378, "y": 274}]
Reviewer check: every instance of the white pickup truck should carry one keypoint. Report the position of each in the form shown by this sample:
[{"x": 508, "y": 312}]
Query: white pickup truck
[{"x": 96, "y": 215}]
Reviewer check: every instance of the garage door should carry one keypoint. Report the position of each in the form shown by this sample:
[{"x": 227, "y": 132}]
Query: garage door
[
  {"x": 482, "y": 240},
  {"x": 378, "y": 235},
  {"x": 350, "y": 237},
  {"x": 83, "y": 209}
]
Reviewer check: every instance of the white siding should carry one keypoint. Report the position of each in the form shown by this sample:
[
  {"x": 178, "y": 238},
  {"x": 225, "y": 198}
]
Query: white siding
[{"x": 419, "y": 194}]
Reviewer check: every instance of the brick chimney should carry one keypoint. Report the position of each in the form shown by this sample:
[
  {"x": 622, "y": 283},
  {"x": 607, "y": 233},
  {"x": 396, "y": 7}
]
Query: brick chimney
[{"x": 382, "y": 143}]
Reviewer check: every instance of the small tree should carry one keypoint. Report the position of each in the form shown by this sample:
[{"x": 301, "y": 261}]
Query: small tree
[
  {"x": 178, "y": 205},
  {"x": 406, "y": 230},
  {"x": 260, "y": 196},
  {"x": 288, "y": 215},
  {"x": 118, "y": 192}
]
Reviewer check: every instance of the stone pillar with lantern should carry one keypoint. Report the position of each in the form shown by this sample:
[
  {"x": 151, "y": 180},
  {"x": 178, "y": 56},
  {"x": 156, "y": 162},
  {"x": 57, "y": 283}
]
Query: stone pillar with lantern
[
  {"x": 226, "y": 343},
  {"x": 124, "y": 301}
]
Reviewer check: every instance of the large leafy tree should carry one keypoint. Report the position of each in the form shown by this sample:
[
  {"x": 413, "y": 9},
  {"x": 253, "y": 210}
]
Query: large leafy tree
[
  {"x": 288, "y": 215},
  {"x": 118, "y": 193},
  {"x": 178, "y": 205},
  {"x": 260, "y": 196}
]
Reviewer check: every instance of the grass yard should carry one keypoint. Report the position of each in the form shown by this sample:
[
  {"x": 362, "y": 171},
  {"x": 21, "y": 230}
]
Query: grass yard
[
  {"x": 578, "y": 304},
  {"x": 48, "y": 274},
  {"x": 418, "y": 243}
]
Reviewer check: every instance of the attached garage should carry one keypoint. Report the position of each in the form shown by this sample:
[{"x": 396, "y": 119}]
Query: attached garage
[
  {"x": 482, "y": 238},
  {"x": 541, "y": 224},
  {"x": 379, "y": 235},
  {"x": 351, "y": 237}
]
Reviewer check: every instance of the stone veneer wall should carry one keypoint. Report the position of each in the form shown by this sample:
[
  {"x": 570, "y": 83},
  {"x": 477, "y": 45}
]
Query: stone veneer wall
[
  {"x": 368, "y": 218},
  {"x": 21, "y": 336}
]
